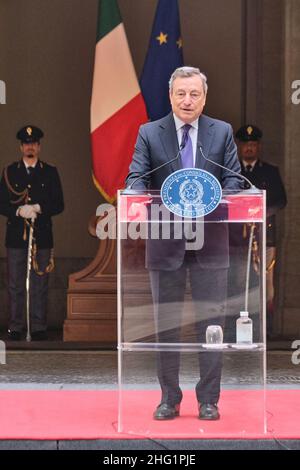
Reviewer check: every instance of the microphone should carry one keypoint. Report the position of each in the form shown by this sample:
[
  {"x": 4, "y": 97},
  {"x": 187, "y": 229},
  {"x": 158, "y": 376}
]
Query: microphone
[
  {"x": 130, "y": 191},
  {"x": 225, "y": 168}
]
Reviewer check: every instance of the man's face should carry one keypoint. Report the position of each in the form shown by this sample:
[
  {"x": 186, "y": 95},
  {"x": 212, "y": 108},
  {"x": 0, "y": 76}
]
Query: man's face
[
  {"x": 187, "y": 98},
  {"x": 249, "y": 151},
  {"x": 30, "y": 150}
]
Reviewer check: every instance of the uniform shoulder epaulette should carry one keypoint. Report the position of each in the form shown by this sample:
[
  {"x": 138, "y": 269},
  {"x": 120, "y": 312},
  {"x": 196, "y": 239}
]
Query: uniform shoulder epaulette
[
  {"x": 45, "y": 164},
  {"x": 13, "y": 164},
  {"x": 21, "y": 195},
  {"x": 268, "y": 164}
]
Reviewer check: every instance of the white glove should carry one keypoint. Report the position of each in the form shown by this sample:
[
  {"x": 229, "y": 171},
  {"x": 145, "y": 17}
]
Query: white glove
[
  {"x": 37, "y": 208},
  {"x": 27, "y": 212}
]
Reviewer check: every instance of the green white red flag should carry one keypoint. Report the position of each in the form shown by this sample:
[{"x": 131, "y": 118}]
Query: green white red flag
[{"x": 117, "y": 106}]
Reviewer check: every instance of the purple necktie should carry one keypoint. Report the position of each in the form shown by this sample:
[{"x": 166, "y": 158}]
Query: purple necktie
[{"x": 187, "y": 159}]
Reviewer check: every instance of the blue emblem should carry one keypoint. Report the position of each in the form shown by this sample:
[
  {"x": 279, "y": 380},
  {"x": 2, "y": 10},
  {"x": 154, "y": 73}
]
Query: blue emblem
[{"x": 191, "y": 192}]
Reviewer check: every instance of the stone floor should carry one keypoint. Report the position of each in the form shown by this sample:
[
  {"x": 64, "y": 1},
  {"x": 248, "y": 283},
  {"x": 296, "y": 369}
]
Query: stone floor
[{"x": 98, "y": 369}]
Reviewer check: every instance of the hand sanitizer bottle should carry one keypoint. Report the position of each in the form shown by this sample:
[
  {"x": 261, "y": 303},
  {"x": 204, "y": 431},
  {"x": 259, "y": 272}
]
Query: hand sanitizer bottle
[{"x": 244, "y": 329}]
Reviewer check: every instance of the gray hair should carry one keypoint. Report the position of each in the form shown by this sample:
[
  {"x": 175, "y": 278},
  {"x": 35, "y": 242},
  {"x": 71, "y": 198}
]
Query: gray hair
[{"x": 183, "y": 72}]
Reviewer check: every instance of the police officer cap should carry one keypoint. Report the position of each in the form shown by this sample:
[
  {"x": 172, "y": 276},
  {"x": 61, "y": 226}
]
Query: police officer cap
[
  {"x": 248, "y": 132},
  {"x": 29, "y": 134}
]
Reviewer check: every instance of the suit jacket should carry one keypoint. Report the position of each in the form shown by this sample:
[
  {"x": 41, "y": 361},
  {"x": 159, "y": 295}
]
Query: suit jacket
[
  {"x": 157, "y": 143},
  {"x": 44, "y": 188}
]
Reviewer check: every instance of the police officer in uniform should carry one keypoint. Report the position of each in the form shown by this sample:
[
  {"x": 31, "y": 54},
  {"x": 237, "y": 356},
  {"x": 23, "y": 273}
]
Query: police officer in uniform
[
  {"x": 264, "y": 176},
  {"x": 30, "y": 193}
]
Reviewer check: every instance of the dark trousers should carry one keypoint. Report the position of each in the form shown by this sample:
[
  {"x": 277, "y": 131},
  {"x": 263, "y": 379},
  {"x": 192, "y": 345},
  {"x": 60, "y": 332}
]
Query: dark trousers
[
  {"x": 209, "y": 292},
  {"x": 17, "y": 269}
]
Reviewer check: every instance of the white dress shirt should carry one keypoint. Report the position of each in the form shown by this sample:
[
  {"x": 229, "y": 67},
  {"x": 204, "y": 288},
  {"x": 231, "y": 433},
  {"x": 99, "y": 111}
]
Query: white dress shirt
[{"x": 252, "y": 164}]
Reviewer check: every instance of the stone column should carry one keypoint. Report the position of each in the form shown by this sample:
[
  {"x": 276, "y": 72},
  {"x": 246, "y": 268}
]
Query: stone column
[
  {"x": 264, "y": 105},
  {"x": 288, "y": 322}
]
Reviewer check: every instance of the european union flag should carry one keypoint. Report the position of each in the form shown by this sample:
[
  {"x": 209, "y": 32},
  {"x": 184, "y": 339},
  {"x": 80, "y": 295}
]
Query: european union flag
[{"x": 163, "y": 57}]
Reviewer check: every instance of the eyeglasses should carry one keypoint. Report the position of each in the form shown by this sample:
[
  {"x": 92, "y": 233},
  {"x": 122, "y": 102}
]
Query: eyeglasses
[{"x": 194, "y": 96}]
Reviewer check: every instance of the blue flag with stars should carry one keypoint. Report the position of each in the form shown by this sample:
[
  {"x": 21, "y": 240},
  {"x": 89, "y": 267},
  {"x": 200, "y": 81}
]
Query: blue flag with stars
[{"x": 163, "y": 57}]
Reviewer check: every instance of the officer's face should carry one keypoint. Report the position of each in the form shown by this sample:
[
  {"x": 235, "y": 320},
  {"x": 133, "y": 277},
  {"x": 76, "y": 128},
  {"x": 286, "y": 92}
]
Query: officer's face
[
  {"x": 30, "y": 150},
  {"x": 187, "y": 98},
  {"x": 249, "y": 151}
]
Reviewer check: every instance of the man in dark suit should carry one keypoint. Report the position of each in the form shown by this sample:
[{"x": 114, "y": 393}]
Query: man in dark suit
[
  {"x": 264, "y": 176},
  {"x": 168, "y": 260},
  {"x": 30, "y": 193}
]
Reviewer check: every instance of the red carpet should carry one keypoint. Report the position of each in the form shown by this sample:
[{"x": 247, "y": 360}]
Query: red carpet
[{"x": 93, "y": 415}]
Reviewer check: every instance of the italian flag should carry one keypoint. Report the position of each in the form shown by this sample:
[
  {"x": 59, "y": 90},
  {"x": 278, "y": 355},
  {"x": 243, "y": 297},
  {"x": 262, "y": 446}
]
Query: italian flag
[{"x": 117, "y": 106}]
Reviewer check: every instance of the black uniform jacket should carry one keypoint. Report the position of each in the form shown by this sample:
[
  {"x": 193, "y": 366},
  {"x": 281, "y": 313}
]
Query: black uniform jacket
[
  {"x": 43, "y": 188},
  {"x": 264, "y": 176}
]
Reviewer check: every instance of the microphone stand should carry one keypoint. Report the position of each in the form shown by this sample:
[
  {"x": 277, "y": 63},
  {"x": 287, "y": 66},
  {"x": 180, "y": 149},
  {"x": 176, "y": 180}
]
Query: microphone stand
[
  {"x": 252, "y": 187},
  {"x": 130, "y": 191},
  {"x": 248, "y": 266},
  {"x": 225, "y": 168}
]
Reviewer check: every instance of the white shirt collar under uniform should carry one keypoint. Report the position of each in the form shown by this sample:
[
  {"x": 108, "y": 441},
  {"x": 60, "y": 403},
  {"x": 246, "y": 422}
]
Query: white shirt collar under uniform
[
  {"x": 252, "y": 164},
  {"x": 27, "y": 166}
]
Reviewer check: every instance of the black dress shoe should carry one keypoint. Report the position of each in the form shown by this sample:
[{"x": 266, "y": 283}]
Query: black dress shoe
[
  {"x": 14, "y": 335},
  {"x": 208, "y": 411},
  {"x": 39, "y": 336},
  {"x": 165, "y": 411}
]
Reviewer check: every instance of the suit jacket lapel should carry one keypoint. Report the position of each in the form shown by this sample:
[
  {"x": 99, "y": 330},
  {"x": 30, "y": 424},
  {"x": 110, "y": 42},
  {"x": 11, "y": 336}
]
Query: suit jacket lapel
[
  {"x": 168, "y": 137},
  {"x": 169, "y": 140},
  {"x": 205, "y": 137}
]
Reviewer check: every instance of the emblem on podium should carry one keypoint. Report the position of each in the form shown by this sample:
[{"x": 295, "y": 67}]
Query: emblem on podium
[{"x": 191, "y": 193}]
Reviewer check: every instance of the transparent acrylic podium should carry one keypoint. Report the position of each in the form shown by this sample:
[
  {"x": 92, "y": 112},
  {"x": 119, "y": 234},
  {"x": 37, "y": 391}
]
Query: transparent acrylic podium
[{"x": 176, "y": 278}]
